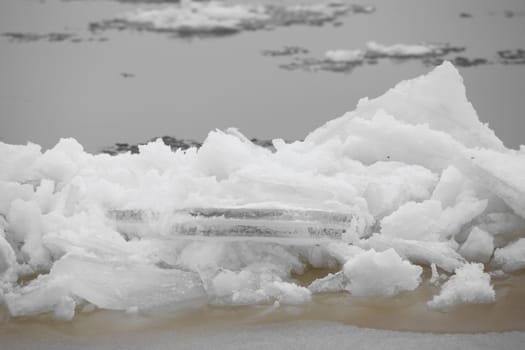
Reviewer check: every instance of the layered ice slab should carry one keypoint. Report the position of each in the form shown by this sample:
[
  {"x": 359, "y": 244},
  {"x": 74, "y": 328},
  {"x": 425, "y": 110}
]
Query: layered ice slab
[
  {"x": 408, "y": 180},
  {"x": 277, "y": 225}
]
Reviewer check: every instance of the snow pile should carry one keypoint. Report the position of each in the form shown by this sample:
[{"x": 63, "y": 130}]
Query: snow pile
[
  {"x": 469, "y": 285},
  {"x": 216, "y": 18},
  {"x": 409, "y": 178}
]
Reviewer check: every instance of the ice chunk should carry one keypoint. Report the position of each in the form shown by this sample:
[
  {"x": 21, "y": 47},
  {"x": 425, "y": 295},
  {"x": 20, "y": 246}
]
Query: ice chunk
[
  {"x": 469, "y": 285},
  {"x": 279, "y": 225},
  {"x": 501, "y": 172},
  {"x": 416, "y": 221},
  {"x": 25, "y": 225},
  {"x": 442, "y": 254},
  {"x": 331, "y": 283},
  {"x": 511, "y": 257},
  {"x": 255, "y": 286},
  {"x": 427, "y": 221},
  {"x": 107, "y": 284},
  {"x": 17, "y": 161},
  {"x": 381, "y": 273},
  {"x": 450, "y": 185},
  {"x": 478, "y": 247},
  {"x": 11, "y": 191},
  {"x": 437, "y": 99}
]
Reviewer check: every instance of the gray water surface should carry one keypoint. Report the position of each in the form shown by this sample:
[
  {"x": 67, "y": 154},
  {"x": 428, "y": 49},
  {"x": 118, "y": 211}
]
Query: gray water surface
[{"x": 130, "y": 86}]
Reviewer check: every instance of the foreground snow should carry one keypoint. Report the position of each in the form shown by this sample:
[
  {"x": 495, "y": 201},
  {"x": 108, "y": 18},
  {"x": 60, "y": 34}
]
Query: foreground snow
[{"x": 407, "y": 179}]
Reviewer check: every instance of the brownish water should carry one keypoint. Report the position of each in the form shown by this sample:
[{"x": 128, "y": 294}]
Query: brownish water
[{"x": 404, "y": 312}]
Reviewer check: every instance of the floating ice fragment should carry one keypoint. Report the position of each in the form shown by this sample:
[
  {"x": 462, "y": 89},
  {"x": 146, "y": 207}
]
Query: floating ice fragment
[
  {"x": 381, "y": 273},
  {"x": 331, "y": 283},
  {"x": 469, "y": 285}
]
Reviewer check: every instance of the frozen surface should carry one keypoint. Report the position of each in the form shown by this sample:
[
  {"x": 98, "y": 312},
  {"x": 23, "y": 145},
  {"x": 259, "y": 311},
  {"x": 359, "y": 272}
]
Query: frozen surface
[{"x": 408, "y": 179}]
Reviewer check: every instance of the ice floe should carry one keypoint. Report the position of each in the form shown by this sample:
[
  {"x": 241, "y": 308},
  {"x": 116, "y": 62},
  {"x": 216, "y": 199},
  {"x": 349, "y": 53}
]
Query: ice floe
[
  {"x": 344, "y": 60},
  {"x": 216, "y": 18},
  {"x": 407, "y": 180}
]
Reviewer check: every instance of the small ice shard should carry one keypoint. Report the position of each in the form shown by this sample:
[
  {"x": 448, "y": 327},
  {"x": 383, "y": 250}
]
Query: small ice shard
[
  {"x": 511, "y": 257},
  {"x": 478, "y": 247},
  {"x": 469, "y": 285},
  {"x": 434, "y": 278},
  {"x": 249, "y": 287},
  {"x": 331, "y": 283},
  {"x": 381, "y": 273}
]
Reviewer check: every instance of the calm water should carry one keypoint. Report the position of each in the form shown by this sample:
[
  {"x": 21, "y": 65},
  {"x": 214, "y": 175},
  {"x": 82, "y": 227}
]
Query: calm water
[{"x": 185, "y": 88}]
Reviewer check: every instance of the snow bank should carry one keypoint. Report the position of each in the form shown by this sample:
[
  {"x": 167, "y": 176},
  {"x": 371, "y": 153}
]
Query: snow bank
[
  {"x": 469, "y": 285},
  {"x": 409, "y": 178}
]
